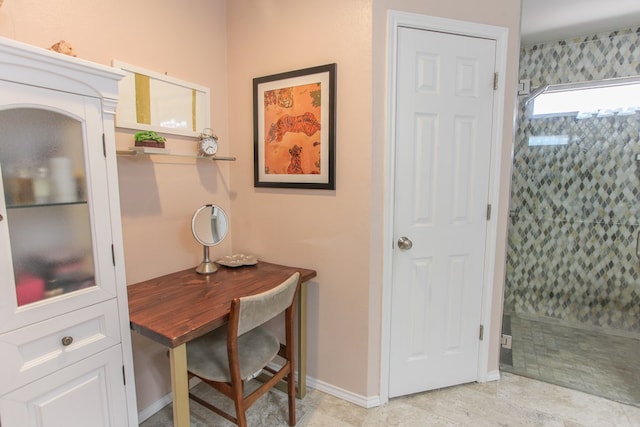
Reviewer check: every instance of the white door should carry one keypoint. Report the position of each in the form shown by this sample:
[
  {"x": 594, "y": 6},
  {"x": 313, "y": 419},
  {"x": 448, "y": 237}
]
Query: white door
[{"x": 443, "y": 142}]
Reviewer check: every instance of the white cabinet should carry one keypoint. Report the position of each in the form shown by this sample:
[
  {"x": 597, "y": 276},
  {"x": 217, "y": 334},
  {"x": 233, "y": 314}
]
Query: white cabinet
[
  {"x": 64, "y": 328},
  {"x": 86, "y": 394}
]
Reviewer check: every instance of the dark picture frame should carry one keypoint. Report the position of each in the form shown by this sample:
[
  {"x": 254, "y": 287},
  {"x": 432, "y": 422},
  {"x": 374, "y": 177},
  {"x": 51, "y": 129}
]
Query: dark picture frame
[{"x": 294, "y": 117}]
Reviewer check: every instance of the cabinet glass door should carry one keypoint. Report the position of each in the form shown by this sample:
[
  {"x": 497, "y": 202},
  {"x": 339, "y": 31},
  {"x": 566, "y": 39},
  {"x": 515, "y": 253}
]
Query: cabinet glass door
[
  {"x": 44, "y": 177},
  {"x": 56, "y": 245}
]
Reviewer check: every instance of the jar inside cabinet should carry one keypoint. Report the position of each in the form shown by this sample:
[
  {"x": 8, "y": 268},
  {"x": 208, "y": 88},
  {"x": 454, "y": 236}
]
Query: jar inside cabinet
[{"x": 44, "y": 180}]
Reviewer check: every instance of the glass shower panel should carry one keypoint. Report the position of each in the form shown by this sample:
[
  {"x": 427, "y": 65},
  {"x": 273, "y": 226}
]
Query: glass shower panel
[
  {"x": 572, "y": 295},
  {"x": 575, "y": 217},
  {"x": 43, "y": 174}
]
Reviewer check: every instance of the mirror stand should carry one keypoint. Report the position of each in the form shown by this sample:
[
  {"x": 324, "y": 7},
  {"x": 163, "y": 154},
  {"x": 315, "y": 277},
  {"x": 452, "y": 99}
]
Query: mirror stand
[
  {"x": 209, "y": 226},
  {"x": 206, "y": 266}
]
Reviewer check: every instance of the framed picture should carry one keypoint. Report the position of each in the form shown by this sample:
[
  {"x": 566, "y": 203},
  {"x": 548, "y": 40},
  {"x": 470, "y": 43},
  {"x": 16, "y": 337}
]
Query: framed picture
[{"x": 294, "y": 129}]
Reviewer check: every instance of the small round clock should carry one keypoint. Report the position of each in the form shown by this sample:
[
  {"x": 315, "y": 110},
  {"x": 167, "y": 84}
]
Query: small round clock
[{"x": 208, "y": 144}]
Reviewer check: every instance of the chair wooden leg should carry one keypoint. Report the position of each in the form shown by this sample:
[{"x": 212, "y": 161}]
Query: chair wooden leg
[
  {"x": 242, "y": 419},
  {"x": 291, "y": 386},
  {"x": 238, "y": 400}
]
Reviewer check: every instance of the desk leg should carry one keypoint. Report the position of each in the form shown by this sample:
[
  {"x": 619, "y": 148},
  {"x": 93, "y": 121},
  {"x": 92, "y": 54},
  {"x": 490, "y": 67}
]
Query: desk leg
[
  {"x": 180, "y": 386},
  {"x": 302, "y": 341}
]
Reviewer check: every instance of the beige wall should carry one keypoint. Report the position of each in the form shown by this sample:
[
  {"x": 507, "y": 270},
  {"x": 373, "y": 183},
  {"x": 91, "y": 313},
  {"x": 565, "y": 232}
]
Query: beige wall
[
  {"x": 325, "y": 230},
  {"x": 224, "y": 45}
]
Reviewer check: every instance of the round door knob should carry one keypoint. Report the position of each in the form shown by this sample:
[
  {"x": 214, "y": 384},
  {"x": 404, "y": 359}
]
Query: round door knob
[
  {"x": 67, "y": 341},
  {"x": 405, "y": 243},
  {"x": 1, "y": 217}
]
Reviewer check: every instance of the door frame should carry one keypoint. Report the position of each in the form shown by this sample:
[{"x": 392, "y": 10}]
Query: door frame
[{"x": 396, "y": 19}]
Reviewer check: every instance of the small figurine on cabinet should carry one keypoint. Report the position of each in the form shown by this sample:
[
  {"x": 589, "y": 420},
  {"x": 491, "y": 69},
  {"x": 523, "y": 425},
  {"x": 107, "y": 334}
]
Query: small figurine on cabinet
[{"x": 62, "y": 46}]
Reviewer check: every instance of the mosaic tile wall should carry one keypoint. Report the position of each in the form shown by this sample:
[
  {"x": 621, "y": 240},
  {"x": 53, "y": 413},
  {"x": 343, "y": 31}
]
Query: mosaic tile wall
[{"x": 576, "y": 208}]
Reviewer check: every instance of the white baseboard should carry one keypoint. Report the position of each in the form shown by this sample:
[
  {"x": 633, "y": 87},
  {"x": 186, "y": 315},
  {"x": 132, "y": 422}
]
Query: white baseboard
[
  {"x": 156, "y": 406},
  {"x": 334, "y": 391},
  {"x": 493, "y": 375},
  {"x": 365, "y": 402}
]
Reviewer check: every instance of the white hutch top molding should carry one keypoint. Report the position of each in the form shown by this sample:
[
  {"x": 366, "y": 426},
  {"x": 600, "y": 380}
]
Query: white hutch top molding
[{"x": 36, "y": 66}]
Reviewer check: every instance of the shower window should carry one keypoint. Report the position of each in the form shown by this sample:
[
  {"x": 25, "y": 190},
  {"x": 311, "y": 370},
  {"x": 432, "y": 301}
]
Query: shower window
[{"x": 603, "y": 98}]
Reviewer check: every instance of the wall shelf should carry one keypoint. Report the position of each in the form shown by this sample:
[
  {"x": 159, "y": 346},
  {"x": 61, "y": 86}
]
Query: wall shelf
[{"x": 145, "y": 151}]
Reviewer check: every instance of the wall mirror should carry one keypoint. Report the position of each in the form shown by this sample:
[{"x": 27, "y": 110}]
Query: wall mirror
[
  {"x": 154, "y": 101},
  {"x": 209, "y": 226}
]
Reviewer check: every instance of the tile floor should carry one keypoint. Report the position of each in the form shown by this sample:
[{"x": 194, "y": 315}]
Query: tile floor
[
  {"x": 582, "y": 359},
  {"x": 512, "y": 401}
]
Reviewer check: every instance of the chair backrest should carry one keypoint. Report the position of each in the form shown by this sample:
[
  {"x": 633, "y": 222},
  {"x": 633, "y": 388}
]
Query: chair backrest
[{"x": 258, "y": 309}]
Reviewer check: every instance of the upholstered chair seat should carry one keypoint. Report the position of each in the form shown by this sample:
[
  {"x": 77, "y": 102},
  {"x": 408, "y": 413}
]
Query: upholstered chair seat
[{"x": 208, "y": 358}]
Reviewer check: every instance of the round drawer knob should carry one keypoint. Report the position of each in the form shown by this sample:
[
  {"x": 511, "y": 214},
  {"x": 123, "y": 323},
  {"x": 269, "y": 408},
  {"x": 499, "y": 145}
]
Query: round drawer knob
[{"x": 67, "y": 341}]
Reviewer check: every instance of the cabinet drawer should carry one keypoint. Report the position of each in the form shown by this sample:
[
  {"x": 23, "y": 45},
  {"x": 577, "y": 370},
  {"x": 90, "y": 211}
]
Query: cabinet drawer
[{"x": 39, "y": 349}]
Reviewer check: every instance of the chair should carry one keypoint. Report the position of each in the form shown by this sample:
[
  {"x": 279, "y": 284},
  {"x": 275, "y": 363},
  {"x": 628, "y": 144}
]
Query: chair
[{"x": 240, "y": 351}]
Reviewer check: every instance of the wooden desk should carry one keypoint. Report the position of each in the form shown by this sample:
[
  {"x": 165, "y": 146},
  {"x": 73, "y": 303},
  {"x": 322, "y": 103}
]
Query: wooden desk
[{"x": 179, "y": 307}]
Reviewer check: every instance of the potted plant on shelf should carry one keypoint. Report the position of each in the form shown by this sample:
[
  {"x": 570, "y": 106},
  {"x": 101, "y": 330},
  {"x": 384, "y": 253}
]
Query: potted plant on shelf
[{"x": 149, "y": 139}]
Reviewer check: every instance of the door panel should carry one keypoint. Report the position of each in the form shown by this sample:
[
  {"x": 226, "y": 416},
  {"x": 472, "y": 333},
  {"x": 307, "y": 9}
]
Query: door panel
[
  {"x": 88, "y": 393},
  {"x": 443, "y": 144}
]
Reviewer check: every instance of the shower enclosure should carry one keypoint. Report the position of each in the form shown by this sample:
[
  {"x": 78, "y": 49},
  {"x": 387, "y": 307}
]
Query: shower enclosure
[{"x": 572, "y": 293}]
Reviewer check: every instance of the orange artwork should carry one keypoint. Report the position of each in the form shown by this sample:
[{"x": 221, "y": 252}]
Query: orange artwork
[{"x": 292, "y": 130}]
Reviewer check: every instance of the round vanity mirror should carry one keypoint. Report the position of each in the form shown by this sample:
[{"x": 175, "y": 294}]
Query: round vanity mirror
[{"x": 209, "y": 226}]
